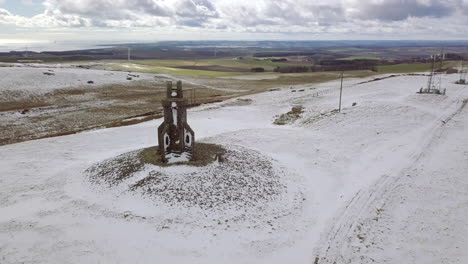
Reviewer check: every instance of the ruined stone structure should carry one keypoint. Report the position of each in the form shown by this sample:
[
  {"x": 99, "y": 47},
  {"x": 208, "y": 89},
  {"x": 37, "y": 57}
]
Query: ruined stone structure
[{"x": 176, "y": 138}]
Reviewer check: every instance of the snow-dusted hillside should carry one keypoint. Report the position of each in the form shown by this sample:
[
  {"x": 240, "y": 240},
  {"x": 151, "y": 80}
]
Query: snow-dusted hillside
[
  {"x": 350, "y": 167},
  {"x": 41, "y": 79}
]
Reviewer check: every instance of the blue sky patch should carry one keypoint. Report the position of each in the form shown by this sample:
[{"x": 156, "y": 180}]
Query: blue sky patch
[{"x": 27, "y": 8}]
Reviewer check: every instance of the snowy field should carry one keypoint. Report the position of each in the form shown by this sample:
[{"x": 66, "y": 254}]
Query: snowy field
[
  {"x": 41, "y": 79},
  {"x": 384, "y": 181}
]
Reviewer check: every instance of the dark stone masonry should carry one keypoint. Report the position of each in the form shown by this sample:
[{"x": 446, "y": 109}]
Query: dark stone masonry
[{"x": 176, "y": 138}]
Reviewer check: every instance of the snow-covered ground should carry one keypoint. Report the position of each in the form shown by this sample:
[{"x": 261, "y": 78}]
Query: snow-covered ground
[
  {"x": 41, "y": 79},
  {"x": 396, "y": 156},
  {"x": 416, "y": 215}
]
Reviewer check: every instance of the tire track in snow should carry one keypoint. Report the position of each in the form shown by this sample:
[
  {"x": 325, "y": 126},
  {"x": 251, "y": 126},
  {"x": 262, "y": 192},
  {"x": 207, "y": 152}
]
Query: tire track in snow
[{"x": 337, "y": 243}]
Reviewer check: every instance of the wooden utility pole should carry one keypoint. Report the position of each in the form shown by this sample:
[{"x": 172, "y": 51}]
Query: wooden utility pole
[
  {"x": 341, "y": 91},
  {"x": 461, "y": 69},
  {"x": 193, "y": 96}
]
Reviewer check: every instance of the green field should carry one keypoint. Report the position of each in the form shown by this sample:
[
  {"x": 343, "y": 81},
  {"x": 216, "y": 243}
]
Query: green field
[
  {"x": 360, "y": 58},
  {"x": 203, "y": 67},
  {"x": 135, "y": 66},
  {"x": 225, "y": 67},
  {"x": 242, "y": 64},
  {"x": 420, "y": 67},
  {"x": 413, "y": 67}
]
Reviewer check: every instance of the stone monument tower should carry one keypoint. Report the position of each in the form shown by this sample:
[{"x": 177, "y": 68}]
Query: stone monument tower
[{"x": 176, "y": 138}]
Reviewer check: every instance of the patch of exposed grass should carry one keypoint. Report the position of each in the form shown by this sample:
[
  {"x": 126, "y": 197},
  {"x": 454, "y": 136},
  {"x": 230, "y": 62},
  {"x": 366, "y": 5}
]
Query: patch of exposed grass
[
  {"x": 290, "y": 116},
  {"x": 21, "y": 105},
  {"x": 203, "y": 154},
  {"x": 208, "y": 67},
  {"x": 115, "y": 170},
  {"x": 172, "y": 70},
  {"x": 269, "y": 65},
  {"x": 225, "y": 62},
  {"x": 316, "y": 77},
  {"x": 76, "y": 91},
  {"x": 413, "y": 67}
]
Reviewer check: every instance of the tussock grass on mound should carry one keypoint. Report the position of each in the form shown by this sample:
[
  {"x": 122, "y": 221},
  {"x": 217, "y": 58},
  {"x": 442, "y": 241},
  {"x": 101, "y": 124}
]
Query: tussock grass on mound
[
  {"x": 113, "y": 171},
  {"x": 244, "y": 179},
  {"x": 203, "y": 153}
]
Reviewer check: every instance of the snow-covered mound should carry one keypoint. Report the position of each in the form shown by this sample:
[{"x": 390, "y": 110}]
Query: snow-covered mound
[{"x": 244, "y": 179}]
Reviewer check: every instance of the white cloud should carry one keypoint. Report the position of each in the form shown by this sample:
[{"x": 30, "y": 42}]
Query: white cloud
[
  {"x": 391, "y": 10},
  {"x": 356, "y": 17}
]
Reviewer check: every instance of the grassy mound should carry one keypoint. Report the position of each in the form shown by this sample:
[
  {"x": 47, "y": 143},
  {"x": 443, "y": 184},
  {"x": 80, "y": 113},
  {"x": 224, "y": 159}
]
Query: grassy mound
[
  {"x": 113, "y": 171},
  {"x": 203, "y": 154},
  {"x": 244, "y": 179}
]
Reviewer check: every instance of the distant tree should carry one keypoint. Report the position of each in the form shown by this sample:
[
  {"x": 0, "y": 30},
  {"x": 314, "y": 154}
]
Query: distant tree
[
  {"x": 258, "y": 69},
  {"x": 292, "y": 69},
  {"x": 453, "y": 56},
  {"x": 279, "y": 60}
]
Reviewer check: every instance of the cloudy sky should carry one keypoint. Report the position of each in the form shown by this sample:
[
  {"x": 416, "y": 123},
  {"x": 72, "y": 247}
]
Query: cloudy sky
[{"x": 152, "y": 20}]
